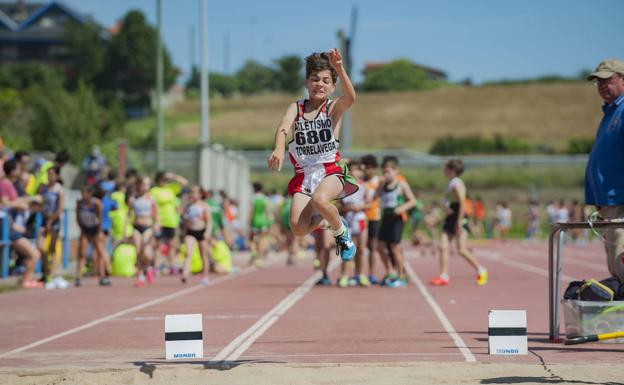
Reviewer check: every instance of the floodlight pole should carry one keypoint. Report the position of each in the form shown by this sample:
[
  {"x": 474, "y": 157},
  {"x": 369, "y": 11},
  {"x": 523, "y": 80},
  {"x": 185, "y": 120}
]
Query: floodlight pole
[
  {"x": 205, "y": 107},
  {"x": 204, "y": 139},
  {"x": 346, "y": 45},
  {"x": 160, "y": 144}
]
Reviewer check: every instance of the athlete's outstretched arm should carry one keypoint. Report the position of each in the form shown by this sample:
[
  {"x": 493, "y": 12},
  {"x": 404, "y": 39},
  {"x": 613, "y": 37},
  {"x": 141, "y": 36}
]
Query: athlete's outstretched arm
[
  {"x": 277, "y": 156},
  {"x": 348, "y": 98}
]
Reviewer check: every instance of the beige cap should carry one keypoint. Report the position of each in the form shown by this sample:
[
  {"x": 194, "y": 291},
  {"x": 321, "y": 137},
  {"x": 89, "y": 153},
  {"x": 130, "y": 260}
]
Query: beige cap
[{"x": 607, "y": 68}]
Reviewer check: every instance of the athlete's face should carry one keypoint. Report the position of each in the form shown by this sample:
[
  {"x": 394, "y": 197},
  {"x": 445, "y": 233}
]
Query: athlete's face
[
  {"x": 195, "y": 194},
  {"x": 320, "y": 85},
  {"x": 356, "y": 171},
  {"x": 449, "y": 173},
  {"x": 86, "y": 194},
  {"x": 370, "y": 172},
  {"x": 52, "y": 177},
  {"x": 390, "y": 174},
  {"x": 144, "y": 185}
]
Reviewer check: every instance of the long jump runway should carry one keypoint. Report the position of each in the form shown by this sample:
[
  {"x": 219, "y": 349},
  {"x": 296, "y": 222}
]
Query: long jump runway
[{"x": 275, "y": 315}]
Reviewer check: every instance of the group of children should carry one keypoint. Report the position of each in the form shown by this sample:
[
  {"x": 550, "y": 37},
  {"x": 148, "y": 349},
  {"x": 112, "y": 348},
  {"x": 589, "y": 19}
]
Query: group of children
[{"x": 158, "y": 220}]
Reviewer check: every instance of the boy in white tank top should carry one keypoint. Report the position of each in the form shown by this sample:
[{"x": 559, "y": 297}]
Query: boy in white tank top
[
  {"x": 315, "y": 125},
  {"x": 353, "y": 206}
]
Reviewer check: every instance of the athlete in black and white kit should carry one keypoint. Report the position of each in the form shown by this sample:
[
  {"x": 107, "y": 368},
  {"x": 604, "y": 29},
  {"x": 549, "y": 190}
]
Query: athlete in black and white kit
[
  {"x": 89, "y": 218},
  {"x": 197, "y": 223},
  {"x": 456, "y": 226}
]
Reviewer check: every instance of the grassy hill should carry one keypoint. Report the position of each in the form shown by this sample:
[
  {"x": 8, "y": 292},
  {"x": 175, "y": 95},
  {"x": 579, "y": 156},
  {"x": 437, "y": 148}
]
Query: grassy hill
[{"x": 536, "y": 113}]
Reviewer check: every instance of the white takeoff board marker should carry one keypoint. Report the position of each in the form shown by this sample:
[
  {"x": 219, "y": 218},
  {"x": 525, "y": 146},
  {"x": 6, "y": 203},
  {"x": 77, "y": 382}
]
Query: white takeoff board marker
[
  {"x": 184, "y": 337},
  {"x": 507, "y": 332}
]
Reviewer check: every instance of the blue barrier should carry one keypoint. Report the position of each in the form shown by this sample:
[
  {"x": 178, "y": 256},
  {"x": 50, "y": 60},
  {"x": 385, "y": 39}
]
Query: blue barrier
[
  {"x": 38, "y": 222},
  {"x": 6, "y": 244},
  {"x": 65, "y": 238}
]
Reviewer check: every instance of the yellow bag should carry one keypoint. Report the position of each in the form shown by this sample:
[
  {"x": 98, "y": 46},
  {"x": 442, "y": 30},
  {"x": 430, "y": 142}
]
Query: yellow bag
[
  {"x": 197, "y": 265},
  {"x": 221, "y": 256},
  {"x": 57, "y": 248},
  {"x": 124, "y": 260}
]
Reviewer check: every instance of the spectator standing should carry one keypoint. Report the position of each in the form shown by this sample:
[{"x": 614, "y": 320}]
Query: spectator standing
[{"x": 604, "y": 181}]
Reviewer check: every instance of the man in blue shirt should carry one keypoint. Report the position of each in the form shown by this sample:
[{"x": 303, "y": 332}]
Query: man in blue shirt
[{"x": 604, "y": 176}]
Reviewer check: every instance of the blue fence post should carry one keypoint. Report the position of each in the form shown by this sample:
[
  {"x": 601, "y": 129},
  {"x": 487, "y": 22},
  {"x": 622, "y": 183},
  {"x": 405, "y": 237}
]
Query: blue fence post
[
  {"x": 6, "y": 245},
  {"x": 38, "y": 222},
  {"x": 65, "y": 238}
]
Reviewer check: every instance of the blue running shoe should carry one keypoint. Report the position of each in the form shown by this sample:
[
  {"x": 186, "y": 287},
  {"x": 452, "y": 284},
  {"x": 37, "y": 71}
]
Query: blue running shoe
[
  {"x": 373, "y": 279},
  {"x": 325, "y": 281},
  {"x": 387, "y": 279},
  {"x": 344, "y": 244},
  {"x": 400, "y": 282}
]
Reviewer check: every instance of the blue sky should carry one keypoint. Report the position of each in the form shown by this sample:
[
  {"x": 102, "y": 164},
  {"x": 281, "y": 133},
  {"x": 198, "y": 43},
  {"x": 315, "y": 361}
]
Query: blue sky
[{"x": 478, "y": 39}]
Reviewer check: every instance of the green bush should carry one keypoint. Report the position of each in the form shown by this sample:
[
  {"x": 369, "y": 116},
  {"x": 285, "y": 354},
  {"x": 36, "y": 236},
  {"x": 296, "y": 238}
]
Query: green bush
[
  {"x": 580, "y": 145},
  {"x": 398, "y": 75},
  {"x": 450, "y": 145}
]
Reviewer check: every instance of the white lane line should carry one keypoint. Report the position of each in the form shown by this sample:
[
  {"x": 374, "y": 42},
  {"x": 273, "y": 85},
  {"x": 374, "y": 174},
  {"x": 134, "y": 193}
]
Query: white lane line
[
  {"x": 265, "y": 356},
  {"x": 241, "y": 343},
  {"x": 205, "y": 317},
  {"x": 450, "y": 330},
  {"x": 121, "y": 313},
  {"x": 495, "y": 256}
]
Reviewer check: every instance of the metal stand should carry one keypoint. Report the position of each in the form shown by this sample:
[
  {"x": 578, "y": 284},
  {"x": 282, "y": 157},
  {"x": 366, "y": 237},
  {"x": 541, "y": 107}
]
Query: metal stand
[{"x": 554, "y": 275}]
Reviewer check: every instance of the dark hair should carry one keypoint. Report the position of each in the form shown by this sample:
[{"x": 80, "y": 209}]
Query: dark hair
[
  {"x": 9, "y": 166},
  {"x": 354, "y": 163},
  {"x": 390, "y": 161},
  {"x": 62, "y": 157},
  {"x": 19, "y": 155},
  {"x": 317, "y": 62},
  {"x": 456, "y": 165},
  {"x": 90, "y": 188},
  {"x": 131, "y": 172},
  {"x": 56, "y": 169},
  {"x": 257, "y": 187},
  {"x": 160, "y": 176},
  {"x": 99, "y": 192},
  {"x": 369, "y": 161}
]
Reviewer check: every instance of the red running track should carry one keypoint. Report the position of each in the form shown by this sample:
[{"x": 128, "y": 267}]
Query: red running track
[{"x": 275, "y": 314}]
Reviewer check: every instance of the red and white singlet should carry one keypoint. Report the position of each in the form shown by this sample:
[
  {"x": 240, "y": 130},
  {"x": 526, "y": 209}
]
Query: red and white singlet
[{"x": 313, "y": 150}]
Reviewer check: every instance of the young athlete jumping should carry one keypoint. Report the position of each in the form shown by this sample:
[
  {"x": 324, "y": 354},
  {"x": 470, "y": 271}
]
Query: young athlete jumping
[{"x": 319, "y": 177}]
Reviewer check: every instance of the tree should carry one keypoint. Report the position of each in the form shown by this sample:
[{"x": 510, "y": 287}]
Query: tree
[
  {"x": 86, "y": 44},
  {"x": 130, "y": 69},
  {"x": 289, "y": 76},
  {"x": 25, "y": 75},
  {"x": 65, "y": 120},
  {"x": 194, "y": 81},
  {"x": 396, "y": 76},
  {"x": 255, "y": 77},
  {"x": 222, "y": 85}
]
